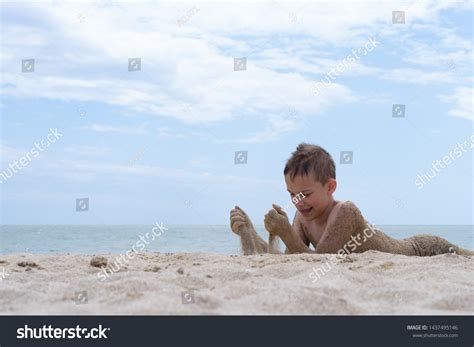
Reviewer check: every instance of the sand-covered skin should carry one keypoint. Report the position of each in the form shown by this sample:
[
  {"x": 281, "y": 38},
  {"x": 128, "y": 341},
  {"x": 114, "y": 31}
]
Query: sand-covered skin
[{"x": 367, "y": 283}]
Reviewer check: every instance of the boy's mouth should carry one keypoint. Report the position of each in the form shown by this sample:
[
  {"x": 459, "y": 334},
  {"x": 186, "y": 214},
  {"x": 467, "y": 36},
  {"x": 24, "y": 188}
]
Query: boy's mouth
[{"x": 306, "y": 211}]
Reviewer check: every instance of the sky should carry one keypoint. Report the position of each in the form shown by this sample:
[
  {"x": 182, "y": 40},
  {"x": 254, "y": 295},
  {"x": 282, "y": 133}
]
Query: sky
[{"x": 146, "y": 104}]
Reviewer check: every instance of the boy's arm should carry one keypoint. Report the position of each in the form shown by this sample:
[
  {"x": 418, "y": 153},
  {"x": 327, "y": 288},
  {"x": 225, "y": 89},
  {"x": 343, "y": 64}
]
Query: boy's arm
[
  {"x": 276, "y": 223},
  {"x": 298, "y": 229}
]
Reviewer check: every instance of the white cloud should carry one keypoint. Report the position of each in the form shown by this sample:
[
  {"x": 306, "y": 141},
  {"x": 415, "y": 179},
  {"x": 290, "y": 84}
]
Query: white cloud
[
  {"x": 274, "y": 130},
  {"x": 463, "y": 98},
  {"x": 86, "y": 150},
  {"x": 91, "y": 171},
  {"x": 8, "y": 154},
  {"x": 416, "y": 76},
  {"x": 82, "y": 52},
  {"x": 104, "y": 128},
  {"x": 166, "y": 132}
]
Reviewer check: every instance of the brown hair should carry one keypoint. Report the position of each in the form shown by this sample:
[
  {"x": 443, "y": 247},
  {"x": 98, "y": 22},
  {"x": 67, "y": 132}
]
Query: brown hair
[{"x": 311, "y": 159}]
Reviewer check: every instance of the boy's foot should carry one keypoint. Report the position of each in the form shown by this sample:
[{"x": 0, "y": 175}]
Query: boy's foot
[{"x": 239, "y": 220}]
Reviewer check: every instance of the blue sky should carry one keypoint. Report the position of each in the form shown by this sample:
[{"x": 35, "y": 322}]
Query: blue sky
[{"x": 158, "y": 144}]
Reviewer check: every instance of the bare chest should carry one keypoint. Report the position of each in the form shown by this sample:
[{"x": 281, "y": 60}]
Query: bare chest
[{"x": 313, "y": 232}]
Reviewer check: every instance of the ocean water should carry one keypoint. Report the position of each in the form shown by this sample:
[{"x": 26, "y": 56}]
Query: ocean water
[{"x": 89, "y": 239}]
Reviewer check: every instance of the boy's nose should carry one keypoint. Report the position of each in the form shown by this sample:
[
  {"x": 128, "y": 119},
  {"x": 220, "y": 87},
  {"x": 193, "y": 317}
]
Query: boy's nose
[{"x": 297, "y": 202}]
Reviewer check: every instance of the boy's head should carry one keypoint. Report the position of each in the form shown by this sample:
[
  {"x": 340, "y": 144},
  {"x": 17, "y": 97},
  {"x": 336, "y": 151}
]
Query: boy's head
[{"x": 311, "y": 171}]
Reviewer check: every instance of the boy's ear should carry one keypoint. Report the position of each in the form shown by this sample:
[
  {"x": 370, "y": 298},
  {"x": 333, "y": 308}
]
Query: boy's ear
[{"x": 332, "y": 185}]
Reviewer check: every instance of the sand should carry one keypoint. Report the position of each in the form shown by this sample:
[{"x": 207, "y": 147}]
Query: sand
[{"x": 153, "y": 284}]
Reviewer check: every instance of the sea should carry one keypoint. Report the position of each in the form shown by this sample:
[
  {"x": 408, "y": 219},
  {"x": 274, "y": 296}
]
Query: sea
[{"x": 94, "y": 239}]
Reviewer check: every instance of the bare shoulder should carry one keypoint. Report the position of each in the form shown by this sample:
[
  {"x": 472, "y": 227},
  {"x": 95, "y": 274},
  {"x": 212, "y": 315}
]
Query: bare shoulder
[
  {"x": 344, "y": 220},
  {"x": 345, "y": 212},
  {"x": 346, "y": 207}
]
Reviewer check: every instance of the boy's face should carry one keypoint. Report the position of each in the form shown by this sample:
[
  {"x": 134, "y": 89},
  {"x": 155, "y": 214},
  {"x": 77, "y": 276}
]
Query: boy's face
[{"x": 317, "y": 196}]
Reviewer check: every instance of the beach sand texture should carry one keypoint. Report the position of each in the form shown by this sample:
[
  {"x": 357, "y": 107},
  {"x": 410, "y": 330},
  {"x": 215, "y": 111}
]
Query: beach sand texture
[{"x": 199, "y": 283}]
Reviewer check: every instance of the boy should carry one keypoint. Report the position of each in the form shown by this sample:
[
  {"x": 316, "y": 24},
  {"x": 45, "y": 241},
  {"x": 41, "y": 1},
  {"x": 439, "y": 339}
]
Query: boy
[{"x": 330, "y": 226}]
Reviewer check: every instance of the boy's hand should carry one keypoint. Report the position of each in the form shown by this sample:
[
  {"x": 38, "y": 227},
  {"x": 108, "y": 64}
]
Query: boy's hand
[{"x": 276, "y": 221}]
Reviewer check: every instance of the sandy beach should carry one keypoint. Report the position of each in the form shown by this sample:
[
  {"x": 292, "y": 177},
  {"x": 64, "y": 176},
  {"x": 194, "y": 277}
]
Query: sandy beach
[{"x": 197, "y": 283}]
